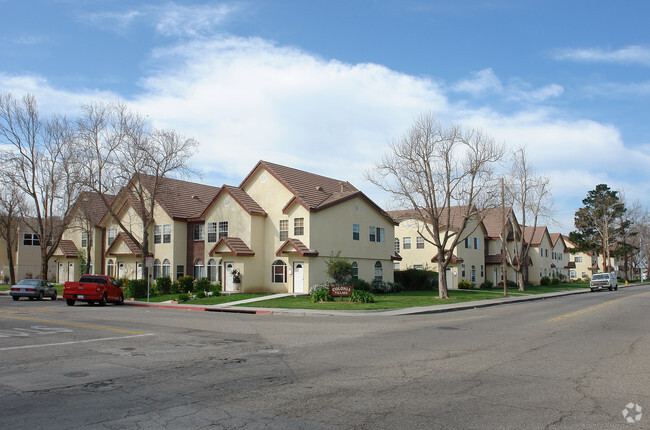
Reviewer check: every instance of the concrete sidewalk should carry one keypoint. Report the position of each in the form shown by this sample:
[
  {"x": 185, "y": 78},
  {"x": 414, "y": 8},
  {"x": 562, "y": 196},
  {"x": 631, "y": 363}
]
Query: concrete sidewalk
[{"x": 230, "y": 307}]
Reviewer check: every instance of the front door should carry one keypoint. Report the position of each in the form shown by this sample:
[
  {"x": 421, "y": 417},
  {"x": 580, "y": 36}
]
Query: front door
[
  {"x": 62, "y": 277},
  {"x": 496, "y": 280},
  {"x": 298, "y": 278},
  {"x": 121, "y": 270},
  {"x": 450, "y": 279},
  {"x": 228, "y": 278},
  {"x": 71, "y": 272}
]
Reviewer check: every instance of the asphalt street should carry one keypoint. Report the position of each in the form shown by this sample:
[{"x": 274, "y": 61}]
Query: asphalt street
[{"x": 573, "y": 362}]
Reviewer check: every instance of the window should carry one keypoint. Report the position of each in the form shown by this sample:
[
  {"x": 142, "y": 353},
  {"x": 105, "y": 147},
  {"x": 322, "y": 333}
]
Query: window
[
  {"x": 395, "y": 266},
  {"x": 180, "y": 271},
  {"x": 578, "y": 259},
  {"x": 212, "y": 270},
  {"x": 462, "y": 271},
  {"x": 477, "y": 243},
  {"x": 284, "y": 230},
  {"x": 199, "y": 269},
  {"x": 279, "y": 272},
  {"x": 110, "y": 268},
  {"x": 418, "y": 267},
  {"x": 223, "y": 229},
  {"x": 111, "y": 233},
  {"x": 355, "y": 231},
  {"x": 376, "y": 234},
  {"x": 156, "y": 269},
  {"x": 31, "y": 239},
  {"x": 167, "y": 233},
  {"x": 84, "y": 239},
  {"x": 406, "y": 243},
  {"x": 157, "y": 234},
  {"x": 355, "y": 270},
  {"x": 199, "y": 232},
  {"x": 212, "y": 232},
  {"x": 419, "y": 242},
  {"x": 473, "y": 274},
  {"x": 166, "y": 268},
  {"x": 379, "y": 271},
  {"x": 397, "y": 245},
  {"x": 298, "y": 226},
  {"x": 467, "y": 239},
  {"x": 482, "y": 273}
]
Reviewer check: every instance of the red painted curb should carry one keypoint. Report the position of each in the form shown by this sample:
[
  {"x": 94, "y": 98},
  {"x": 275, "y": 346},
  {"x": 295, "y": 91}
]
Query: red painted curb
[
  {"x": 185, "y": 308},
  {"x": 196, "y": 308}
]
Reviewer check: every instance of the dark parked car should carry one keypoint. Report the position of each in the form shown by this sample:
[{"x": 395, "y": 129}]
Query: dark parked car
[{"x": 33, "y": 289}]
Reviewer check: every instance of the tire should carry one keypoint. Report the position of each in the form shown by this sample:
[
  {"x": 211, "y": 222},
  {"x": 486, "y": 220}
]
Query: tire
[
  {"x": 616, "y": 287},
  {"x": 102, "y": 302},
  {"x": 53, "y": 296},
  {"x": 69, "y": 302},
  {"x": 610, "y": 288},
  {"x": 120, "y": 301},
  {"x": 40, "y": 296},
  {"x": 15, "y": 298},
  {"x": 593, "y": 291}
]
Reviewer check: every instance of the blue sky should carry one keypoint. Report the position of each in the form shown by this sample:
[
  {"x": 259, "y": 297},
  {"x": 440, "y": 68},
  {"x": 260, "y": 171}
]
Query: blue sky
[{"x": 324, "y": 86}]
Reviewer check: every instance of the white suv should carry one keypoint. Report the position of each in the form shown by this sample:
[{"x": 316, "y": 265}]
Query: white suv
[{"x": 600, "y": 281}]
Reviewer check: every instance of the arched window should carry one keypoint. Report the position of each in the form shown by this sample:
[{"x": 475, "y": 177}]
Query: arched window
[
  {"x": 199, "y": 269},
  {"x": 156, "y": 269},
  {"x": 212, "y": 270},
  {"x": 110, "y": 268},
  {"x": 355, "y": 269},
  {"x": 379, "y": 271},
  {"x": 279, "y": 272},
  {"x": 473, "y": 274},
  {"x": 166, "y": 268}
]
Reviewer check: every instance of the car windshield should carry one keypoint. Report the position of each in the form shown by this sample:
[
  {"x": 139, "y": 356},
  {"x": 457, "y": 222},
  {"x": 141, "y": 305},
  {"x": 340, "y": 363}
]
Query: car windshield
[
  {"x": 29, "y": 282},
  {"x": 601, "y": 277}
]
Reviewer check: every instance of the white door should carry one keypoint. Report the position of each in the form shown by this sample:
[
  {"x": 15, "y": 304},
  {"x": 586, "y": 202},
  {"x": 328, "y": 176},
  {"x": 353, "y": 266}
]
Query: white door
[
  {"x": 62, "y": 277},
  {"x": 450, "y": 280},
  {"x": 496, "y": 280},
  {"x": 228, "y": 278},
  {"x": 121, "y": 271},
  {"x": 139, "y": 275},
  {"x": 298, "y": 278},
  {"x": 71, "y": 272}
]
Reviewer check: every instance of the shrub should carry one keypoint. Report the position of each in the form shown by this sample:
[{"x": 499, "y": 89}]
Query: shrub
[
  {"x": 466, "y": 285},
  {"x": 378, "y": 286},
  {"x": 321, "y": 294},
  {"x": 555, "y": 281},
  {"x": 360, "y": 284},
  {"x": 136, "y": 288},
  {"x": 216, "y": 289},
  {"x": 200, "y": 294},
  {"x": 186, "y": 284},
  {"x": 164, "y": 285},
  {"x": 202, "y": 285},
  {"x": 487, "y": 284},
  {"x": 176, "y": 288},
  {"x": 183, "y": 297},
  {"x": 339, "y": 269},
  {"x": 417, "y": 280},
  {"x": 545, "y": 281},
  {"x": 360, "y": 296}
]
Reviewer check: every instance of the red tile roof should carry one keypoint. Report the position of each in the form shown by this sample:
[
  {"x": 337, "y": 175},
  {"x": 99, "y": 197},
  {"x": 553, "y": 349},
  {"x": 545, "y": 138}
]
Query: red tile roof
[
  {"x": 235, "y": 245},
  {"x": 535, "y": 236},
  {"x": 298, "y": 248},
  {"x": 456, "y": 215},
  {"x": 135, "y": 249},
  {"x": 68, "y": 249},
  {"x": 242, "y": 198},
  {"x": 92, "y": 206}
]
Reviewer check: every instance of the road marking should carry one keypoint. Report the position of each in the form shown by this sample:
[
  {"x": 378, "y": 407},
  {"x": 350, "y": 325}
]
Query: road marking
[
  {"x": 95, "y": 327},
  {"x": 580, "y": 312},
  {"x": 74, "y": 341}
]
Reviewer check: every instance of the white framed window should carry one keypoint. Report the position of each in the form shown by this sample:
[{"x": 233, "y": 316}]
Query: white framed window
[
  {"x": 166, "y": 268},
  {"x": 199, "y": 232},
  {"x": 418, "y": 267},
  {"x": 31, "y": 239},
  {"x": 355, "y": 270},
  {"x": 111, "y": 233},
  {"x": 376, "y": 234},
  {"x": 482, "y": 272},
  {"x": 578, "y": 260},
  {"x": 212, "y": 270},
  {"x": 397, "y": 245},
  {"x": 406, "y": 243},
  {"x": 298, "y": 226},
  {"x": 467, "y": 242},
  {"x": 355, "y": 232},
  {"x": 110, "y": 268},
  {"x": 212, "y": 232},
  {"x": 419, "y": 242},
  {"x": 279, "y": 272},
  {"x": 199, "y": 269},
  {"x": 372, "y": 234},
  {"x": 473, "y": 274},
  {"x": 284, "y": 229},
  {"x": 167, "y": 233},
  {"x": 396, "y": 266},
  {"x": 157, "y": 269},
  {"x": 157, "y": 234},
  {"x": 84, "y": 239},
  {"x": 462, "y": 271},
  {"x": 223, "y": 229},
  {"x": 379, "y": 271},
  {"x": 180, "y": 271},
  {"x": 477, "y": 243}
]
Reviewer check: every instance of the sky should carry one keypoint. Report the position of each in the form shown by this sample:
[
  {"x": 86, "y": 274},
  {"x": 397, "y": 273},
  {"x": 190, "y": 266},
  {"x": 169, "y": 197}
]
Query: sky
[{"x": 325, "y": 86}]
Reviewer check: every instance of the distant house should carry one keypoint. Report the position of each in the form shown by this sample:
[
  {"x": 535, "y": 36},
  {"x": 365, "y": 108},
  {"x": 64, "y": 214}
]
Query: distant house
[
  {"x": 540, "y": 253},
  {"x": 26, "y": 255}
]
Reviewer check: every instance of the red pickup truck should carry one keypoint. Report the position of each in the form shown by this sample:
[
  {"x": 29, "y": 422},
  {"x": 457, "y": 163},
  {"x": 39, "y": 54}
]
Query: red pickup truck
[{"x": 93, "y": 288}]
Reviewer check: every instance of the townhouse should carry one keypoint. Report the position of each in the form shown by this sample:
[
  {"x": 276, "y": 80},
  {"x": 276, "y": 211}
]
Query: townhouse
[
  {"x": 468, "y": 257},
  {"x": 272, "y": 233},
  {"x": 493, "y": 221},
  {"x": 26, "y": 255}
]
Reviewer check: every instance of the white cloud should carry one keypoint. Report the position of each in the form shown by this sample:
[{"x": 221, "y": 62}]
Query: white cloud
[
  {"x": 633, "y": 54},
  {"x": 115, "y": 21},
  {"x": 486, "y": 82},
  {"x": 482, "y": 81},
  {"x": 179, "y": 20}
]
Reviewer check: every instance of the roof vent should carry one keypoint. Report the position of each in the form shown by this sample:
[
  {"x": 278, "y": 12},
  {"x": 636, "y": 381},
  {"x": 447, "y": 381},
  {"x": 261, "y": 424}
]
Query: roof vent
[
  {"x": 341, "y": 184},
  {"x": 319, "y": 188},
  {"x": 195, "y": 197}
]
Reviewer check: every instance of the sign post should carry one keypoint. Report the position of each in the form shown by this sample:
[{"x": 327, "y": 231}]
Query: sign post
[{"x": 149, "y": 265}]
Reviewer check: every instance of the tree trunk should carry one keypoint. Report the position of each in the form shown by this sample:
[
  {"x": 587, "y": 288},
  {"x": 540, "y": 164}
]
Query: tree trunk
[
  {"x": 10, "y": 260},
  {"x": 44, "y": 261},
  {"x": 443, "y": 292}
]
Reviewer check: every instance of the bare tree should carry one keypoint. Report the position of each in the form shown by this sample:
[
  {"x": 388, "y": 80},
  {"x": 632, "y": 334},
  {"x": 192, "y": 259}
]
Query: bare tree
[
  {"x": 530, "y": 197},
  {"x": 39, "y": 161},
  {"x": 11, "y": 204},
  {"x": 445, "y": 175},
  {"x": 126, "y": 155},
  {"x": 641, "y": 242}
]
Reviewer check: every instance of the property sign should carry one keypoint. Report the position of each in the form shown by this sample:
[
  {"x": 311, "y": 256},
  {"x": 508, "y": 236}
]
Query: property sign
[
  {"x": 340, "y": 290},
  {"x": 149, "y": 261}
]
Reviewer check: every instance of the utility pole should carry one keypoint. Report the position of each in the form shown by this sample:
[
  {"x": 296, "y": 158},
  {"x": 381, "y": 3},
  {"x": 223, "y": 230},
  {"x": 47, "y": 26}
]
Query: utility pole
[{"x": 504, "y": 240}]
